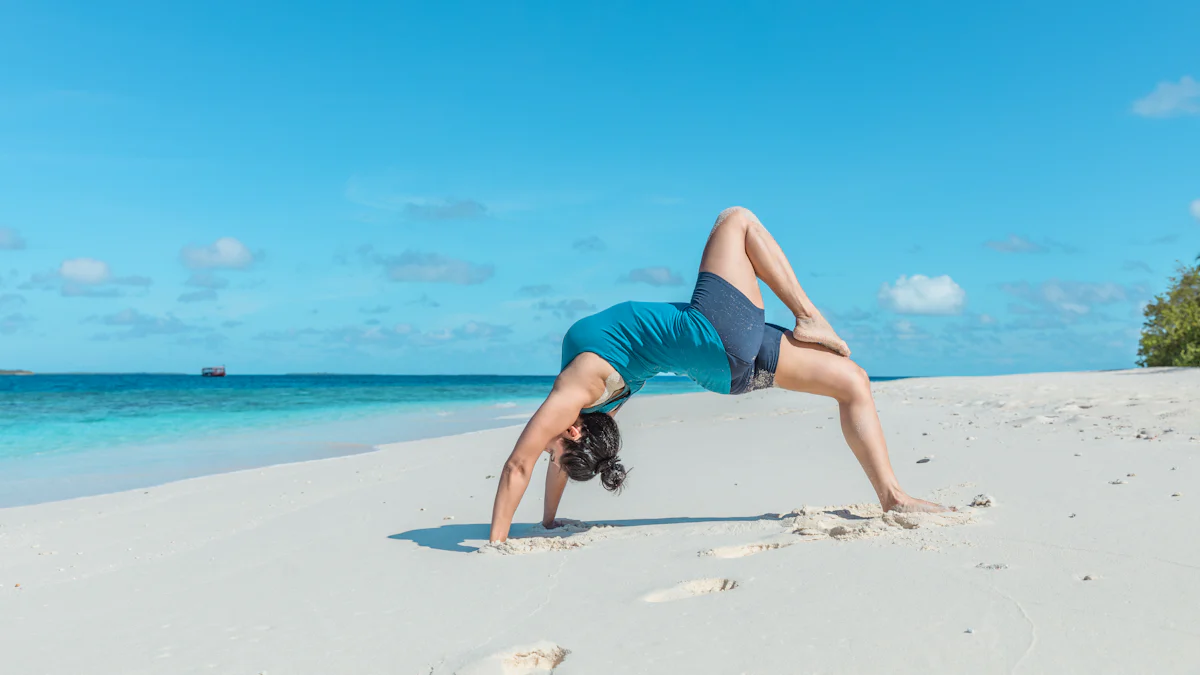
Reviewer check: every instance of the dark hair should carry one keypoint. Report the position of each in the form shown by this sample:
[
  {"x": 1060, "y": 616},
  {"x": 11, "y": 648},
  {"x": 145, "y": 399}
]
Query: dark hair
[{"x": 595, "y": 453}]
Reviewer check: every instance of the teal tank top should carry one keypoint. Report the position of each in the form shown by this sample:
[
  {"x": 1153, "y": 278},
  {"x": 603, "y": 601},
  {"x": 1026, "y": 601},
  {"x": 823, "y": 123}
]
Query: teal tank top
[{"x": 642, "y": 339}]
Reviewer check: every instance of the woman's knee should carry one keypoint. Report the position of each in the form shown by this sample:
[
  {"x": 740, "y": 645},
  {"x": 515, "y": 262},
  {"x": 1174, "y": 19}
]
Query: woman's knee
[
  {"x": 855, "y": 382},
  {"x": 738, "y": 216}
]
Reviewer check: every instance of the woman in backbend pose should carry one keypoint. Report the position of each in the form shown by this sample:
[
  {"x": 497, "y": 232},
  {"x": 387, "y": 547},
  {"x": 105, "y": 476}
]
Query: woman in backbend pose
[{"x": 719, "y": 340}]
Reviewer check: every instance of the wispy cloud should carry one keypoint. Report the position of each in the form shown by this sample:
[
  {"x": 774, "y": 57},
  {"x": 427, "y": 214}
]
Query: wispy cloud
[
  {"x": 1194, "y": 207},
  {"x": 424, "y": 301},
  {"x": 592, "y": 244},
  {"x": 566, "y": 309},
  {"x": 1170, "y": 99},
  {"x": 134, "y": 324},
  {"x": 408, "y": 335},
  {"x": 377, "y": 309},
  {"x": 14, "y": 322},
  {"x": 10, "y": 239},
  {"x": 655, "y": 276},
  {"x": 204, "y": 295},
  {"x": 1018, "y": 244},
  {"x": 224, "y": 253},
  {"x": 852, "y": 315},
  {"x": 1136, "y": 266},
  {"x": 10, "y": 300},
  {"x": 1015, "y": 244},
  {"x": 1068, "y": 298},
  {"x": 534, "y": 291},
  {"x": 383, "y": 195},
  {"x": 919, "y": 294},
  {"x": 287, "y": 335},
  {"x": 419, "y": 267},
  {"x": 206, "y": 280},
  {"x": 445, "y": 209}
]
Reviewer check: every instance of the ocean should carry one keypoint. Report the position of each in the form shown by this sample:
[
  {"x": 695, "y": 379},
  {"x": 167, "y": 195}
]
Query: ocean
[{"x": 65, "y": 436}]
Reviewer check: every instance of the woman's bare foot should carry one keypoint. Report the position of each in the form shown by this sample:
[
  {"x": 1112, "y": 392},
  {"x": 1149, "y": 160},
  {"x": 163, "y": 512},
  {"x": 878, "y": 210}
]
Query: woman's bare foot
[
  {"x": 815, "y": 329},
  {"x": 906, "y": 504}
]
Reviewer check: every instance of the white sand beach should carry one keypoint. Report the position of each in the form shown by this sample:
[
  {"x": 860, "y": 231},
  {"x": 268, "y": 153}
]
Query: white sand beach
[{"x": 746, "y": 541}]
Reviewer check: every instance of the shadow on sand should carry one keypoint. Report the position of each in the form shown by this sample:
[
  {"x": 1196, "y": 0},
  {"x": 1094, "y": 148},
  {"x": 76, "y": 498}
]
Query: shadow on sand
[{"x": 451, "y": 537}]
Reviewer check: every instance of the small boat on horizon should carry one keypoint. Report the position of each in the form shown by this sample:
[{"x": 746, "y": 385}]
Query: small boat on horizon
[{"x": 215, "y": 371}]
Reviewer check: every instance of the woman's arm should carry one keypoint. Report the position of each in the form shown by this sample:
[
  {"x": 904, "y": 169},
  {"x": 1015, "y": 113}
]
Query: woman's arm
[
  {"x": 559, "y": 411},
  {"x": 556, "y": 482}
]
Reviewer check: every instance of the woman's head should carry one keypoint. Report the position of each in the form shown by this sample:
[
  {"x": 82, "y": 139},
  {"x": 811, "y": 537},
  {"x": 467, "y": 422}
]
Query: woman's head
[{"x": 593, "y": 451}]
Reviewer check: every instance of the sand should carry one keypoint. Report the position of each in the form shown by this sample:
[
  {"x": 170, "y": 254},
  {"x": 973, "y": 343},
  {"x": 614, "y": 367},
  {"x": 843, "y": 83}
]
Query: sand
[{"x": 746, "y": 542}]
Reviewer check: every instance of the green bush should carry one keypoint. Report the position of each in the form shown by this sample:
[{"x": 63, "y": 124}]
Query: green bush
[{"x": 1171, "y": 336}]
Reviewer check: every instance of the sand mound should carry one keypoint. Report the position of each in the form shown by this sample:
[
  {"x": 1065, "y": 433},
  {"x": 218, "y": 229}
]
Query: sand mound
[{"x": 568, "y": 535}]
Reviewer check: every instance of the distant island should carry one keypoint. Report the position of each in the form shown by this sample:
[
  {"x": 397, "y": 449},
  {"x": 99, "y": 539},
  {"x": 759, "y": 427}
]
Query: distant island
[{"x": 16, "y": 372}]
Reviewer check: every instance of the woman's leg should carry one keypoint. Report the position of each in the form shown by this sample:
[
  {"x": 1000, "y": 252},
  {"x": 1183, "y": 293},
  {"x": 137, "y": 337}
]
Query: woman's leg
[
  {"x": 741, "y": 251},
  {"x": 815, "y": 370}
]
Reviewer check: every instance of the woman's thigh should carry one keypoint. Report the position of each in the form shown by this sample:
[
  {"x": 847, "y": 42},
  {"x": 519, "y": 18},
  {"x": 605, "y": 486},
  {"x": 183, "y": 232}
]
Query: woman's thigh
[
  {"x": 813, "y": 369},
  {"x": 725, "y": 254}
]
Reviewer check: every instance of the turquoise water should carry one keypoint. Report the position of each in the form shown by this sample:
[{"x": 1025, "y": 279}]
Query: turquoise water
[{"x": 64, "y": 436}]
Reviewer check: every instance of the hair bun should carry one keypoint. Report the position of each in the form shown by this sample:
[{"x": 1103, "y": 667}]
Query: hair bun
[{"x": 612, "y": 473}]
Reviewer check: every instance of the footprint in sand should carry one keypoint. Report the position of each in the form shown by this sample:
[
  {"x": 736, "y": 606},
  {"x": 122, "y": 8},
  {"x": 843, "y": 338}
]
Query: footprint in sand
[
  {"x": 743, "y": 550},
  {"x": 542, "y": 657},
  {"x": 848, "y": 523},
  {"x": 691, "y": 589}
]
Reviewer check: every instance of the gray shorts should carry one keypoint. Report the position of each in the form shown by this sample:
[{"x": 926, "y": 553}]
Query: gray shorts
[{"x": 751, "y": 344}]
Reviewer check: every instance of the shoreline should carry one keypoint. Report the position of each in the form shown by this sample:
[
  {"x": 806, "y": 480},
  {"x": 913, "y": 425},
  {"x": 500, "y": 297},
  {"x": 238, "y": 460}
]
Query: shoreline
[{"x": 113, "y": 468}]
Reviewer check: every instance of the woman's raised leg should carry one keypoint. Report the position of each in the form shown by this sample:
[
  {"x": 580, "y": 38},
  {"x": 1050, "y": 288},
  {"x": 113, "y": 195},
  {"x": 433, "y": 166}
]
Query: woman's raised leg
[
  {"x": 740, "y": 250},
  {"x": 813, "y": 369}
]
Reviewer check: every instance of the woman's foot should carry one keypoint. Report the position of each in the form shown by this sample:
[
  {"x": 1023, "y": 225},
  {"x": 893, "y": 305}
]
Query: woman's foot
[
  {"x": 816, "y": 330},
  {"x": 906, "y": 504}
]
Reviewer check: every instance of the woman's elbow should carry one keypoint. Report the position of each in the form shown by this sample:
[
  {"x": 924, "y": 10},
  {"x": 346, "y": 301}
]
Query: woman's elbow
[{"x": 515, "y": 468}]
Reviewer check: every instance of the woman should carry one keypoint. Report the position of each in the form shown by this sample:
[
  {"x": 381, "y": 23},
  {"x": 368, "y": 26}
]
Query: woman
[{"x": 721, "y": 341}]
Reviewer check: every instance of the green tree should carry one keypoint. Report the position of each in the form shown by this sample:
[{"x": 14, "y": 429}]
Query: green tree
[{"x": 1171, "y": 336}]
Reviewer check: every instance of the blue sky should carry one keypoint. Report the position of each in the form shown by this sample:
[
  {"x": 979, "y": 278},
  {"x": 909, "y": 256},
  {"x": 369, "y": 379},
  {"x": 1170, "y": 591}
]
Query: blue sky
[{"x": 443, "y": 187}]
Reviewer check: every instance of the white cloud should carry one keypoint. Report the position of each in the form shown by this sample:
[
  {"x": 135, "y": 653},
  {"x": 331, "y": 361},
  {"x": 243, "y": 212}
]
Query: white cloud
[
  {"x": 920, "y": 294},
  {"x": 83, "y": 277},
  {"x": 10, "y": 239},
  {"x": 87, "y": 271},
  {"x": 224, "y": 253},
  {"x": 1195, "y": 209},
  {"x": 1170, "y": 99}
]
